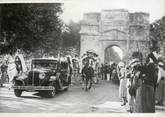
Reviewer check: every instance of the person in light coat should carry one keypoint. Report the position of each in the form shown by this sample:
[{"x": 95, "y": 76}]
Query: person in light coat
[{"x": 123, "y": 82}]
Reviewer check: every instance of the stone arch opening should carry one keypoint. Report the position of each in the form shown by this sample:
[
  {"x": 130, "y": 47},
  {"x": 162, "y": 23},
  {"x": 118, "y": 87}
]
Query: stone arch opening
[{"x": 113, "y": 53}]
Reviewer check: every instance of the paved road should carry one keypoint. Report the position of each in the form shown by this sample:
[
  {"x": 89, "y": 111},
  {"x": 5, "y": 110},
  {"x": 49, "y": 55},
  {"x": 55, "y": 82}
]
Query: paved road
[{"x": 103, "y": 98}]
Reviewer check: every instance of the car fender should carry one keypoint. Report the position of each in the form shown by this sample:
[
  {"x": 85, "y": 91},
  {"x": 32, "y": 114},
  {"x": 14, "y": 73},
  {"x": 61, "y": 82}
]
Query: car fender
[{"x": 20, "y": 80}]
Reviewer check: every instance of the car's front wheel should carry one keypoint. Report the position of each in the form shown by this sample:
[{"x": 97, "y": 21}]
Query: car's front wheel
[{"x": 17, "y": 92}]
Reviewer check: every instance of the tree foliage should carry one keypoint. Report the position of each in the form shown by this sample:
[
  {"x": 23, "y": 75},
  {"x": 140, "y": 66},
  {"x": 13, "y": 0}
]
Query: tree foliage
[
  {"x": 157, "y": 33},
  {"x": 31, "y": 26},
  {"x": 71, "y": 37}
]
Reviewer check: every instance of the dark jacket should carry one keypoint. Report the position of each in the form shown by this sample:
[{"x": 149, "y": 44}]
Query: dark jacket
[
  {"x": 150, "y": 73},
  {"x": 88, "y": 71}
]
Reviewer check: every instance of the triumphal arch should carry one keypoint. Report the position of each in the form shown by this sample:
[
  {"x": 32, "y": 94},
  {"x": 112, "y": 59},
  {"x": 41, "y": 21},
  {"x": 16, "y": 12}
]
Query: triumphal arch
[{"x": 128, "y": 31}]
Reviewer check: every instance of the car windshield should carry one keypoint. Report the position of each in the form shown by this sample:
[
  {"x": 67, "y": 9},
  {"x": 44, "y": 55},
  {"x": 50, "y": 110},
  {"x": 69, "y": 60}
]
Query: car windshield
[{"x": 44, "y": 64}]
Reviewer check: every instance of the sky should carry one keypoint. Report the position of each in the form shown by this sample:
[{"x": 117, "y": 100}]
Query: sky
[{"x": 74, "y": 9}]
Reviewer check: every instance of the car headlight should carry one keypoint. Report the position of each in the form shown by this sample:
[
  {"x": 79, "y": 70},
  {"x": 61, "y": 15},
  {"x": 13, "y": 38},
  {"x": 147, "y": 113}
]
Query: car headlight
[{"x": 41, "y": 75}]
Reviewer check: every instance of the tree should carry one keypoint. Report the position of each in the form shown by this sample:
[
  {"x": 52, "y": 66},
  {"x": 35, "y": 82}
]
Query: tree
[
  {"x": 31, "y": 26},
  {"x": 157, "y": 33},
  {"x": 71, "y": 37}
]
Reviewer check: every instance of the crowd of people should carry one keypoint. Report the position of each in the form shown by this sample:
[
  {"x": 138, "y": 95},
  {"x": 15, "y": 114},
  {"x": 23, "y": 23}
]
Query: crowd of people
[
  {"x": 108, "y": 71},
  {"x": 102, "y": 71},
  {"x": 142, "y": 82}
]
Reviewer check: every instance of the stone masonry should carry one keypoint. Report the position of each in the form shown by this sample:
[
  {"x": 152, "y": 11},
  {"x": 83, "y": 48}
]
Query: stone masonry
[{"x": 118, "y": 27}]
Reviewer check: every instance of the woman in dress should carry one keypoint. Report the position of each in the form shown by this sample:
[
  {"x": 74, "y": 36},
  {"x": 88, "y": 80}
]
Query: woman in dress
[
  {"x": 123, "y": 82},
  {"x": 130, "y": 97}
]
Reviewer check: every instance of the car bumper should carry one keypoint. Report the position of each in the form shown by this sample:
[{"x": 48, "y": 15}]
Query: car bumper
[{"x": 33, "y": 88}]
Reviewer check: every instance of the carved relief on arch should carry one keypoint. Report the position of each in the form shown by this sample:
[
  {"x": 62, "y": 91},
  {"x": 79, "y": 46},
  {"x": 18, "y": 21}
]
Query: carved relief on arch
[{"x": 115, "y": 34}]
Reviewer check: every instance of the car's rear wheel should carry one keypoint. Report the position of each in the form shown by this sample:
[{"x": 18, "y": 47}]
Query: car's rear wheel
[
  {"x": 47, "y": 94},
  {"x": 51, "y": 93},
  {"x": 17, "y": 93}
]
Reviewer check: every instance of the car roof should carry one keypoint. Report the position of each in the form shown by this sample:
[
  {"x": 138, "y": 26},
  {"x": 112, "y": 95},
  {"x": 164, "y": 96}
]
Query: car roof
[{"x": 45, "y": 59}]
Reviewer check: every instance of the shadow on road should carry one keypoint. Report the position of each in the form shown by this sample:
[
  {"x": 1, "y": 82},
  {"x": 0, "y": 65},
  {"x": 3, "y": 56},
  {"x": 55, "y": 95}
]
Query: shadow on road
[
  {"x": 41, "y": 96},
  {"x": 30, "y": 97}
]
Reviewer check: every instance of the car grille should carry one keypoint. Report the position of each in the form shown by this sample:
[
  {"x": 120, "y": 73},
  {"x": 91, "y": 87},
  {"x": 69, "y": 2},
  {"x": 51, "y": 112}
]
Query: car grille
[{"x": 33, "y": 79}]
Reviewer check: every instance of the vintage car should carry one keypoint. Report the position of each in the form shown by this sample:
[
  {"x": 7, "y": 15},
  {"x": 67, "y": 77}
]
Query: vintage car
[{"x": 47, "y": 75}]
